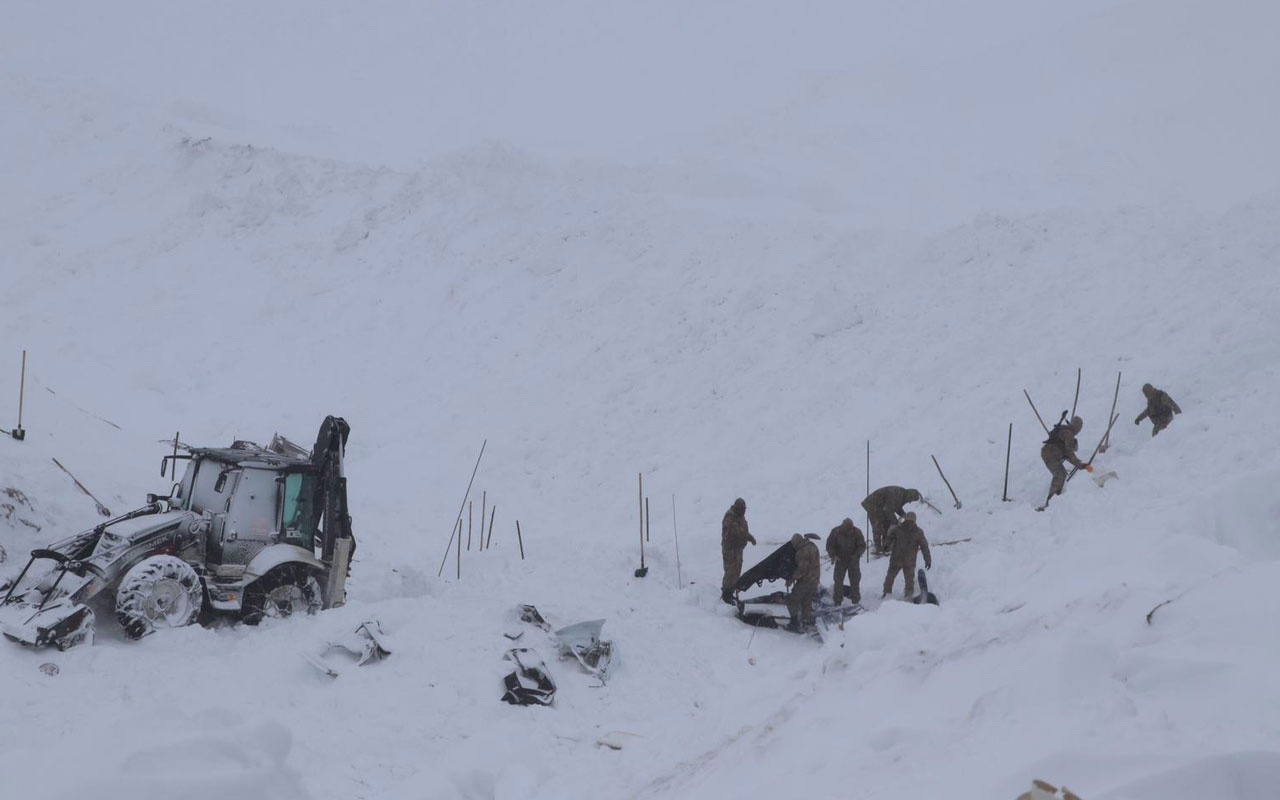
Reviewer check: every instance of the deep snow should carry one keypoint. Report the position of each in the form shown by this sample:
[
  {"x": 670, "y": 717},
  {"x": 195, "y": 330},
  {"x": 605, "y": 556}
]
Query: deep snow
[{"x": 723, "y": 246}]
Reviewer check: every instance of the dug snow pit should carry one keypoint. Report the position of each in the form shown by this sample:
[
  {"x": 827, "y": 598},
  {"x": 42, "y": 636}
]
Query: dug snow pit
[
  {"x": 582, "y": 642},
  {"x": 365, "y": 644},
  {"x": 49, "y": 668},
  {"x": 614, "y": 740},
  {"x": 529, "y": 684},
  {"x": 1101, "y": 476}
]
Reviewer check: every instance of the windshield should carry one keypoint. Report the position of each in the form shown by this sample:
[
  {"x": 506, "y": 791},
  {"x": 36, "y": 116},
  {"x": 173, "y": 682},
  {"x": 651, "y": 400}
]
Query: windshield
[{"x": 299, "y": 511}]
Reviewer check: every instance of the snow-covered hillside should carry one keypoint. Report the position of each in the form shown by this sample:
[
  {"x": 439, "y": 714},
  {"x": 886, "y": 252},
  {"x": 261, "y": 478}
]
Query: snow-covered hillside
[{"x": 723, "y": 246}]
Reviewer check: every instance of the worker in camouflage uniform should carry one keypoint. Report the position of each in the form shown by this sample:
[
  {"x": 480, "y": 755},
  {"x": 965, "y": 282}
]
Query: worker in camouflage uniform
[
  {"x": 1059, "y": 447},
  {"x": 884, "y": 508},
  {"x": 803, "y": 583},
  {"x": 906, "y": 539},
  {"x": 1160, "y": 408},
  {"x": 845, "y": 546},
  {"x": 734, "y": 537}
]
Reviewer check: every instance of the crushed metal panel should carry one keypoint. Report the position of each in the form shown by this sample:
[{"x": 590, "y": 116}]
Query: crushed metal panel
[
  {"x": 582, "y": 642},
  {"x": 366, "y": 644},
  {"x": 529, "y": 684}
]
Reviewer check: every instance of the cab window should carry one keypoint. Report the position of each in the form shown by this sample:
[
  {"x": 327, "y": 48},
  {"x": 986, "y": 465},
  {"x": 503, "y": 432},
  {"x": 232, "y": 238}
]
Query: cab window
[{"x": 299, "y": 512}]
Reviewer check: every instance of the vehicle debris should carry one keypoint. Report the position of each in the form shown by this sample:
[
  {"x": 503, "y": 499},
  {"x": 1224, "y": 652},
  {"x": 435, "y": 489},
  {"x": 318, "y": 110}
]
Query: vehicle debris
[
  {"x": 365, "y": 644},
  {"x": 529, "y": 684},
  {"x": 582, "y": 642},
  {"x": 762, "y": 611}
]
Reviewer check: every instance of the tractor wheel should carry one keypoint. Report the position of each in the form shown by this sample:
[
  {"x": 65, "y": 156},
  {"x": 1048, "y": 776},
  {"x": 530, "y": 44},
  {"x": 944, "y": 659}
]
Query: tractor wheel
[
  {"x": 158, "y": 592},
  {"x": 282, "y": 592}
]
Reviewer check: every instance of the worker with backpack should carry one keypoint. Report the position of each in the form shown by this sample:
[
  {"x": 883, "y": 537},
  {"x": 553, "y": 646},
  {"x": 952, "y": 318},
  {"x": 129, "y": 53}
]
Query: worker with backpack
[{"x": 1059, "y": 447}]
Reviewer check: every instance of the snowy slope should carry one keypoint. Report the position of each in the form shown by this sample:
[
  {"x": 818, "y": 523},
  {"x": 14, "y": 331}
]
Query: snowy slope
[{"x": 723, "y": 246}]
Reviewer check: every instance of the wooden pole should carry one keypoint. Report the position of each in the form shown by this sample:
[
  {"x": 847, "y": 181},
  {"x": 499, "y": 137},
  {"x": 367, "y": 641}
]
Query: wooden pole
[
  {"x": 458, "y": 524},
  {"x": 646, "y": 519},
  {"x": 471, "y": 508},
  {"x": 176, "y": 434},
  {"x": 1008, "y": 449},
  {"x": 1077, "y": 399},
  {"x": 676, "y": 533},
  {"x": 520, "y": 539},
  {"x": 868, "y": 522},
  {"x": 458, "y": 547},
  {"x": 493, "y": 510},
  {"x": 1094, "y": 454},
  {"x": 484, "y": 500},
  {"x": 1033, "y": 408},
  {"x": 1106, "y": 440},
  {"x": 944, "y": 480}
]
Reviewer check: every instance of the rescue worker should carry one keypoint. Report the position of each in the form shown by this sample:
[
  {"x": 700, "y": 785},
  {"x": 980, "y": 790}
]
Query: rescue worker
[
  {"x": 845, "y": 546},
  {"x": 1059, "y": 447},
  {"x": 1160, "y": 408},
  {"x": 734, "y": 536},
  {"x": 803, "y": 583},
  {"x": 884, "y": 508},
  {"x": 906, "y": 539}
]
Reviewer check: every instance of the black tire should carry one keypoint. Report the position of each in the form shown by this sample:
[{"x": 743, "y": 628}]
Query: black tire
[
  {"x": 156, "y": 593},
  {"x": 282, "y": 592}
]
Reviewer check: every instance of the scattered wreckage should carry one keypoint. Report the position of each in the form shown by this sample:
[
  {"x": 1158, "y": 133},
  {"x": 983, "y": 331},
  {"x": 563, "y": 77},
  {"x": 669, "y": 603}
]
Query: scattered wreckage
[
  {"x": 769, "y": 610},
  {"x": 530, "y": 683},
  {"x": 250, "y": 531},
  {"x": 366, "y": 645}
]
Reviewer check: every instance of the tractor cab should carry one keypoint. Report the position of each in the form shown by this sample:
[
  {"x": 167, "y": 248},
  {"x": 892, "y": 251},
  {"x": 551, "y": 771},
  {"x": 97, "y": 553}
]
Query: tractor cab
[{"x": 252, "y": 498}]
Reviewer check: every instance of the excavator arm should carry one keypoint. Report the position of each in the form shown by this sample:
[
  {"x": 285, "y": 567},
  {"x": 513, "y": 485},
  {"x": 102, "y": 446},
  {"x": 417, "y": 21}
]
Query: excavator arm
[{"x": 338, "y": 543}]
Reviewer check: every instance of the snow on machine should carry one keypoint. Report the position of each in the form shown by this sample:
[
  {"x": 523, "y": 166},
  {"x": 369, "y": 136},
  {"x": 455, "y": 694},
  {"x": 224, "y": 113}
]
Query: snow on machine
[{"x": 250, "y": 531}]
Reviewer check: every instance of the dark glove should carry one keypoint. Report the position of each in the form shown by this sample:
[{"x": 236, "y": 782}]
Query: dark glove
[
  {"x": 1138, "y": 421},
  {"x": 928, "y": 566},
  {"x": 751, "y": 538}
]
